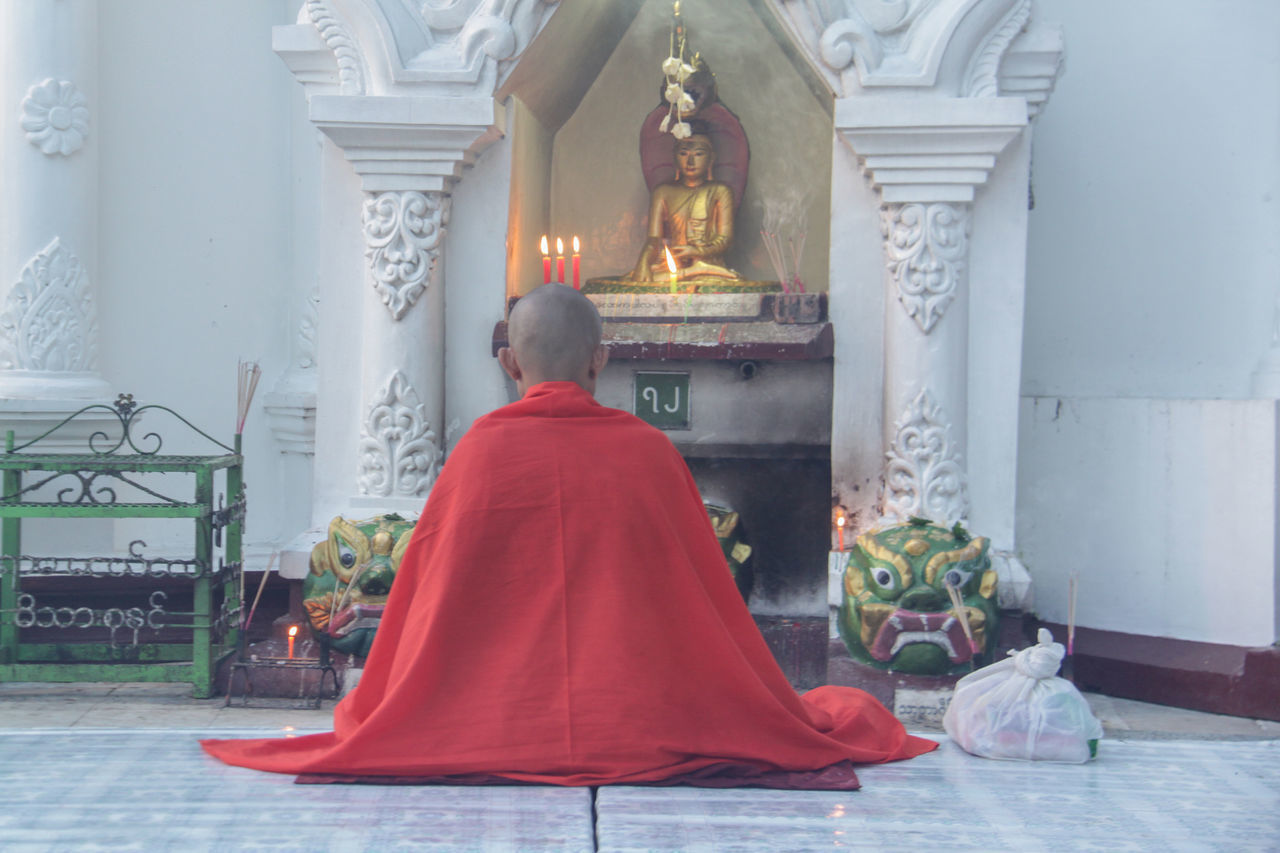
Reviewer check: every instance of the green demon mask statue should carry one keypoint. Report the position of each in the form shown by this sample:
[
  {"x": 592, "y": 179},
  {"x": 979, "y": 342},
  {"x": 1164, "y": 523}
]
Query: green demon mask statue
[
  {"x": 896, "y": 612},
  {"x": 737, "y": 553},
  {"x": 351, "y": 575}
]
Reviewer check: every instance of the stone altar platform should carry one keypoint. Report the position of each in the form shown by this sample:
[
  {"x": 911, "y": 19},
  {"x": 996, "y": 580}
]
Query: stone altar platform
[{"x": 699, "y": 326}]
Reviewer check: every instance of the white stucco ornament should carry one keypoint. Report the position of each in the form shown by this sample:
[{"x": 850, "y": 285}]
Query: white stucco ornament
[
  {"x": 50, "y": 321},
  {"x": 925, "y": 250},
  {"x": 402, "y": 232},
  {"x": 55, "y": 117},
  {"x": 925, "y": 475},
  {"x": 338, "y": 39},
  {"x": 306, "y": 356},
  {"x": 399, "y": 452}
]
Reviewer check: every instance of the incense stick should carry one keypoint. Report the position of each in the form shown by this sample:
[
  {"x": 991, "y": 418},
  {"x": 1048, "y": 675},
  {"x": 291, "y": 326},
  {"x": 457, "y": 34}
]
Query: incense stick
[
  {"x": 1072, "y": 585},
  {"x": 336, "y": 604},
  {"x": 799, "y": 254},
  {"x": 261, "y": 585},
  {"x": 247, "y": 375},
  {"x": 962, "y": 614}
]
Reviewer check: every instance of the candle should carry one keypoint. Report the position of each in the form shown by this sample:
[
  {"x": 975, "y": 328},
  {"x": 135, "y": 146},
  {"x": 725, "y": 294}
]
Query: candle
[
  {"x": 577, "y": 284},
  {"x": 546, "y": 261},
  {"x": 293, "y": 632},
  {"x": 840, "y": 531},
  {"x": 559, "y": 260},
  {"x": 671, "y": 265}
]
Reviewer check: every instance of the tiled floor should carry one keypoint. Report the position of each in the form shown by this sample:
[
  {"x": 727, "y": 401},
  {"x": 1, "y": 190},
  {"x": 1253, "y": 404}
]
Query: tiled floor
[
  {"x": 91, "y": 767},
  {"x": 1138, "y": 795},
  {"x": 154, "y": 790}
]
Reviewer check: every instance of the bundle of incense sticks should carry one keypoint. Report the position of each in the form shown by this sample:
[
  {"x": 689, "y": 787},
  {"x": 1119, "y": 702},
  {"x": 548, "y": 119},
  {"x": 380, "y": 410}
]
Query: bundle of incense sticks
[
  {"x": 785, "y": 216},
  {"x": 797, "y": 252},
  {"x": 773, "y": 246},
  {"x": 247, "y": 375},
  {"x": 962, "y": 614}
]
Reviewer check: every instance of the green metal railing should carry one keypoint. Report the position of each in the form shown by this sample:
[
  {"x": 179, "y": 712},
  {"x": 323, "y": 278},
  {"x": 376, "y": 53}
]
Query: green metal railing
[{"x": 147, "y": 641}]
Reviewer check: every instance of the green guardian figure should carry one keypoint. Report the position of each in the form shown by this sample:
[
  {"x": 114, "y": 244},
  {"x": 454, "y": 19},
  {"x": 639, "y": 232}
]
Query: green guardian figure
[
  {"x": 896, "y": 613},
  {"x": 350, "y": 578}
]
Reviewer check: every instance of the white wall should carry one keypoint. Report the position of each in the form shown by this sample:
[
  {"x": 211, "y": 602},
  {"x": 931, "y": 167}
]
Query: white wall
[
  {"x": 1154, "y": 247},
  {"x": 195, "y": 217},
  {"x": 1152, "y": 274},
  {"x": 1166, "y": 508}
]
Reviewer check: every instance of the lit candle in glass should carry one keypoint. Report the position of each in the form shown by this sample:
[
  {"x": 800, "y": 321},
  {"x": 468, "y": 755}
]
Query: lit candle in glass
[
  {"x": 293, "y": 632},
  {"x": 559, "y": 260},
  {"x": 576, "y": 248},
  {"x": 546, "y": 261},
  {"x": 671, "y": 265}
]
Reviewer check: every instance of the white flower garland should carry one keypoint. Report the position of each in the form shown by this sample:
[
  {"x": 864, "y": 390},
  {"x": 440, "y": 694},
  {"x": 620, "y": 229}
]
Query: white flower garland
[{"x": 677, "y": 71}]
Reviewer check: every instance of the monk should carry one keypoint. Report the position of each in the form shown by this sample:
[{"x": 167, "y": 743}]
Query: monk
[{"x": 564, "y": 614}]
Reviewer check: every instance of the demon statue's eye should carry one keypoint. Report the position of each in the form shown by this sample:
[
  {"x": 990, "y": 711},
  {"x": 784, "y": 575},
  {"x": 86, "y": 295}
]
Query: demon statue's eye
[
  {"x": 884, "y": 578},
  {"x": 346, "y": 556},
  {"x": 957, "y": 578}
]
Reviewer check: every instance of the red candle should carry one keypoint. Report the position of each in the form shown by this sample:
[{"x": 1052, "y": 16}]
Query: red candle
[
  {"x": 293, "y": 632},
  {"x": 546, "y": 261},
  {"x": 559, "y": 260},
  {"x": 576, "y": 248},
  {"x": 840, "y": 531}
]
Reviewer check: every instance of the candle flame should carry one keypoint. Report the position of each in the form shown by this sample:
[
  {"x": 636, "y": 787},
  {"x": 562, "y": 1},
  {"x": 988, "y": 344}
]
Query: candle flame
[
  {"x": 671, "y": 261},
  {"x": 575, "y": 244},
  {"x": 559, "y": 246},
  {"x": 840, "y": 521},
  {"x": 293, "y": 630},
  {"x": 544, "y": 244}
]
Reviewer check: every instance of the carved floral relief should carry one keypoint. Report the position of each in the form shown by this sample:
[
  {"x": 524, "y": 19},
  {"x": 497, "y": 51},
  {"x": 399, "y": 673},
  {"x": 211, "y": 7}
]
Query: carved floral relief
[
  {"x": 50, "y": 320},
  {"x": 924, "y": 476},
  {"x": 925, "y": 250},
  {"x": 399, "y": 452},
  {"x": 402, "y": 232},
  {"x": 55, "y": 117}
]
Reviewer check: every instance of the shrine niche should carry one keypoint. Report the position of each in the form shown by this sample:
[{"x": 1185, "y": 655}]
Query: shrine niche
[
  {"x": 767, "y": 131},
  {"x": 886, "y": 157},
  {"x": 689, "y": 182}
]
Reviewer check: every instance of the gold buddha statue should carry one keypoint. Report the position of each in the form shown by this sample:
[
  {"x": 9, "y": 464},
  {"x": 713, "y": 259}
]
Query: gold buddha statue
[
  {"x": 690, "y": 212},
  {"x": 692, "y": 216}
]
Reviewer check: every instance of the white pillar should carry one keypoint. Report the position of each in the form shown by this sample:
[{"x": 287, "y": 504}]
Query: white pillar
[
  {"x": 48, "y": 232},
  {"x": 408, "y": 152},
  {"x": 927, "y": 157},
  {"x": 401, "y": 431}
]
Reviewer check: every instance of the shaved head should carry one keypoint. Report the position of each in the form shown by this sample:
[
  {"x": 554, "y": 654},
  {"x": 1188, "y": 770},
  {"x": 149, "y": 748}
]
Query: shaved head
[{"x": 554, "y": 335}]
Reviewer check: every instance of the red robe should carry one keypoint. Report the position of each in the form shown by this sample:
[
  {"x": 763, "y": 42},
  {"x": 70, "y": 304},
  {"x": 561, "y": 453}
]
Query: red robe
[{"x": 564, "y": 614}]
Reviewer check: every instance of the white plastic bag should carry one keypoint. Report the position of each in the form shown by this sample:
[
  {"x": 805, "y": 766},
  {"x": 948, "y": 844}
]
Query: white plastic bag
[{"x": 1018, "y": 709}]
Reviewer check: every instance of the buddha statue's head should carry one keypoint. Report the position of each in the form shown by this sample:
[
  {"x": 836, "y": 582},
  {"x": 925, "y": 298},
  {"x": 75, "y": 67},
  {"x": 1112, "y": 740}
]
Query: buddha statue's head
[
  {"x": 694, "y": 158},
  {"x": 896, "y": 612}
]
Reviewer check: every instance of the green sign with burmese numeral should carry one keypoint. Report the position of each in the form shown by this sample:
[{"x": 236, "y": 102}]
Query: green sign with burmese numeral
[{"x": 662, "y": 399}]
